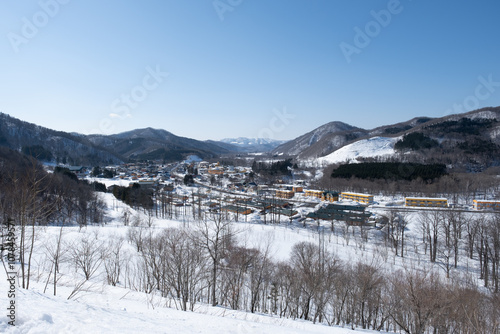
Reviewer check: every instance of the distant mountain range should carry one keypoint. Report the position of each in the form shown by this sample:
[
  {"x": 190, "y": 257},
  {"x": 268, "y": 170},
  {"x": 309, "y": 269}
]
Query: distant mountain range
[
  {"x": 139, "y": 144},
  {"x": 469, "y": 139},
  {"x": 254, "y": 144}
]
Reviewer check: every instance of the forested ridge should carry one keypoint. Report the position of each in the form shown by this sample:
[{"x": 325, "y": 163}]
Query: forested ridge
[{"x": 390, "y": 171}]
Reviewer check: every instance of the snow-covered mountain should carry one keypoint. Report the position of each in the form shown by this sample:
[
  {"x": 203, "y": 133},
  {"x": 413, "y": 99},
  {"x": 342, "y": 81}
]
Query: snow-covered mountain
[
  {"x": 470, "y": 140},
  {"x": 254, "y": 144},
  {"x": 48, "y": 144}
]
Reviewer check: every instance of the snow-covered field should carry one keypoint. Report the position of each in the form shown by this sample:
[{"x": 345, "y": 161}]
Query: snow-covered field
[{"x": 101, "y": 308}]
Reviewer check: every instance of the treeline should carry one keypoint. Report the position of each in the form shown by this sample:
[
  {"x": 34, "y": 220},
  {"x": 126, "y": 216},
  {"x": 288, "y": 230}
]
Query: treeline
[
  {"x": 205, "y": 263},
  {"x": 415, "y": 141},
  {"x": 273, "y": 168},
  {"x": 464, "y": 126},
  {"x": 103, "y": 172},
  {"x": 38, "y": 152},
  {"x": 458, "y": 187},
  {"x": 135, "y": 196},
  {"x": 390, "y": 171}
]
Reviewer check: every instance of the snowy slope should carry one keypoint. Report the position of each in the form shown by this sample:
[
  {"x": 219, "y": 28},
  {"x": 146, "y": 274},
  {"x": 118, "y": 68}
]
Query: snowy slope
[
  {"x": 117, "y": 310},
  {"x": 365, "y": 148},
  {"x": 105, "y": 309},
  {"x": 101, "y": 308}
]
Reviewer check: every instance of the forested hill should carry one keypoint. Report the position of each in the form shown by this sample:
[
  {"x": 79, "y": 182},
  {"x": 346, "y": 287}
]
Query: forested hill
[
  {"x": 90, "y": 150},
  {"x": 51, "y": 145},
  {"x": 470, "y": 141}
]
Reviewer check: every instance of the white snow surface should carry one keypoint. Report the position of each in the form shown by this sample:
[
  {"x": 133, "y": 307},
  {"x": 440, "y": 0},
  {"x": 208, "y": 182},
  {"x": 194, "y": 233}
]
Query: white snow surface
[
  {"x": 365, "y": 148},
  {"x": 118, "y": 310},
  {"x": 101, "y": 308}
]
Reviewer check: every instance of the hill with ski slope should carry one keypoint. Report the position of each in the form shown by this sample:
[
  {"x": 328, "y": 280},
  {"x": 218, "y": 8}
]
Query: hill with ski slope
[
  {"x": 374, "y": 147},
  {"x": 469, "y": 141}
]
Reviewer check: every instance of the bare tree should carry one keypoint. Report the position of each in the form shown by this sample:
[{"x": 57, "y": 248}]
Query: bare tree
[
  {"x": 113, "y": 259},
  {"x": 472, "y": 227},
  {"x": 137, "y": 232},
  {"x": 32, "y": 206},
  {"x": 56, "y": 253},
  {"x": 259, "y": 275},
  {"x": 418, "y": 297},
  {"x": 392, "y": 235},
  {"x": 494, "y": 250},
  {"x": 429, "y": 225},
  {"x": 313, "y": 264},
  {"x": 186, "y": 267},
  {"x": 86, "y": 254},
  {"x": 457, "y": 221},
  {"x": 214, "y": 235},
  {"x": 367, "y": 294},
  {"x": 234, "y": 274}
]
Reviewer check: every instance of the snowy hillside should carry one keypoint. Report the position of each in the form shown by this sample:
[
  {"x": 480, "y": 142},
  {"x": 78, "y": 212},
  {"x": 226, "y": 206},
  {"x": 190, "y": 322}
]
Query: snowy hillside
[
  {"x": 102, "y": 308},
  {"x": 117, "y": 310},
  {"x": 361, "y": 260},
  {"x": 365, "y": 148}
]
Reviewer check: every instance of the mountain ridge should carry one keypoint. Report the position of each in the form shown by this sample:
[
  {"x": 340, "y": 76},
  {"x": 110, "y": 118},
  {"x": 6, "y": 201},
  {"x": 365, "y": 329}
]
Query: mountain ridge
[
  {"x": 331, "y": 139},
  {"x": 253, "y": 145},
  {"x": 95, "y": 149},
  {"x": 474, "y": 135}
]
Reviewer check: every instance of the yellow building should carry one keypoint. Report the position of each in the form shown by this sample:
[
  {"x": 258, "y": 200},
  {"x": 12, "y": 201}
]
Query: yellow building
[
  {"x": 360, "y": 198},
  {"x": 313, "y": 193},
  {"x": 485, "y": 205},
  {"x": 426, "y": 202},
  {"x": 280, "y": 193},
  {"x": 330, "y": 196}
]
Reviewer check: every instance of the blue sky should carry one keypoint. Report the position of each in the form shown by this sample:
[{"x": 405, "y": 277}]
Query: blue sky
[{"x": 227, "y": 68}]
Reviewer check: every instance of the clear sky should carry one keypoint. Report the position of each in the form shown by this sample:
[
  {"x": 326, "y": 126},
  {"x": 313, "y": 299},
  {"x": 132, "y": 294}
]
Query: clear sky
[{"x": 210, "y": 69}]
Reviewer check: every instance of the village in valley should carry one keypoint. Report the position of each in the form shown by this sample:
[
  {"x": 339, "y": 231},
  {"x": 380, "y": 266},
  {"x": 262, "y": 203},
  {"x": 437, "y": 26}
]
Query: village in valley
[
  {"x": 215, "y": 187},
  {"x": 232, "y": 166}
]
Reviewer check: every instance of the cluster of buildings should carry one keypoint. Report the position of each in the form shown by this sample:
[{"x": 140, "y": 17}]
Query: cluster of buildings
[
  {"x": 236, "y": 179},
  {"x": 145, "y": 173},
  {"x": 367, "y": 199},
  {"x": 246, "y": 206}
]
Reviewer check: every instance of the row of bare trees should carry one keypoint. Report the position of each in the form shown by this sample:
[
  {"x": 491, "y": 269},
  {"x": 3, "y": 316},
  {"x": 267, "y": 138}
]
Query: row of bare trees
[
  {"x": 206, "y": 264},
  {"x": 31, "y": 197},
  {"x": 449, "y": 237}
]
